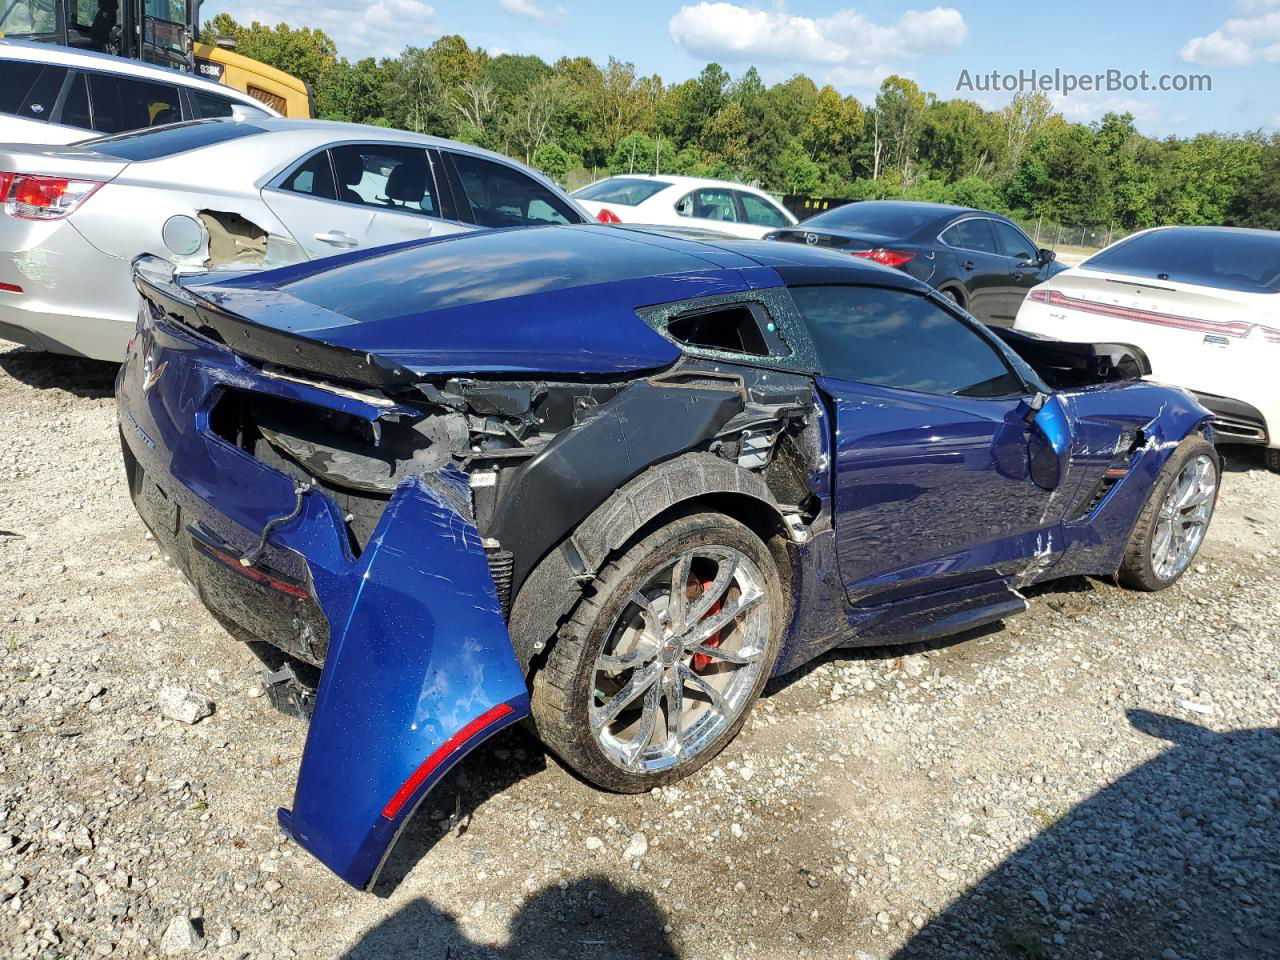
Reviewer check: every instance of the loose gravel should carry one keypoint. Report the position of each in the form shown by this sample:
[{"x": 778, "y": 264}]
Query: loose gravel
[{"x": 1099, "y": 778}]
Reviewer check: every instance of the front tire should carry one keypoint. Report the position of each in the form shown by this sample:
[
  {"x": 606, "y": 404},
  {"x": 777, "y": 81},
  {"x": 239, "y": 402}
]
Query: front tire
[
  {"x": 661, "y": 663},
  {"x": 1272, "y": 456},
  {"x": 1175, "y": 518}
]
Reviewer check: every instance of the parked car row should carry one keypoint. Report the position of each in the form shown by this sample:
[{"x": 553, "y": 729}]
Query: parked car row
[{"x": 397, "y": 407}]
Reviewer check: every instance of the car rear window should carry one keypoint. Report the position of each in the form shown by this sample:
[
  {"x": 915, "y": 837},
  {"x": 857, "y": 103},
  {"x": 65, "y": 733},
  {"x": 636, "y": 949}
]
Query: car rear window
[
  {"x": 870, "y": 216},
  {"x": 174, "y": 139},
  {"x": 1242, "y": 260},
  {"x": 624, "y": 191}
]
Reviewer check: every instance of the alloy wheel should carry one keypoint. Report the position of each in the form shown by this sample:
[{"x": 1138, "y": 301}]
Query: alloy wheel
[
  {"x": 1184, "y": 517},
  {"x": 681, "y": 660}
]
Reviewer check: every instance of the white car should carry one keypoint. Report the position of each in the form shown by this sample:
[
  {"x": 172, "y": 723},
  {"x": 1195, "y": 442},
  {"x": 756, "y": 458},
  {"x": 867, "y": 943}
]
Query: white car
[
  {"x": 1202, "y": 302},
  {"x": 51, "y": 94},
  {"x": 233, "y": 195},
  {"x": 717, "y": 205}
]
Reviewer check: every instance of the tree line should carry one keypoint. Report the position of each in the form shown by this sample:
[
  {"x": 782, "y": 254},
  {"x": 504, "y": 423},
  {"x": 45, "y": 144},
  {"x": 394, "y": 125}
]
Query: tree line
[{"x": 574, "y": 119}]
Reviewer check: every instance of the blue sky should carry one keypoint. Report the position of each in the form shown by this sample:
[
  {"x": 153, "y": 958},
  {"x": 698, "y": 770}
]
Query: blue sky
[{"x": 853, "y": 44}]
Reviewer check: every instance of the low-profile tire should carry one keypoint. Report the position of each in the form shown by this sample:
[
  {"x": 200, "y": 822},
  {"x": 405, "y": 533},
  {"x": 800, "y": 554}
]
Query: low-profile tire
[
  {"x": 629, "y": 660},
  {"x": 1175, "y": 518},
  {"x": 1272, "y": 459}
]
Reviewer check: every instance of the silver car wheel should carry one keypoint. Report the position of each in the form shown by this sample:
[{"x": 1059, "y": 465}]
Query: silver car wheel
[
  {"x": 1184, "y": 517},
  {"x": 680, "y": 662}
]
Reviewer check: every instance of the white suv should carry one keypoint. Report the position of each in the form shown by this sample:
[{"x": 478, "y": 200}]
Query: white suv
[{"x": 51, "y": 94}]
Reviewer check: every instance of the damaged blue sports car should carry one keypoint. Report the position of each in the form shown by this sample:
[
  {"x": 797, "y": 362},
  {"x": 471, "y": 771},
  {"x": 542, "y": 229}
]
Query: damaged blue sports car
[{"x": 612, "y": 480}]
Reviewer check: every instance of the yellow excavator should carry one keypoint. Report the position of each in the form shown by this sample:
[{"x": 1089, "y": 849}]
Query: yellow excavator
[{"x": 163, "y": 32}]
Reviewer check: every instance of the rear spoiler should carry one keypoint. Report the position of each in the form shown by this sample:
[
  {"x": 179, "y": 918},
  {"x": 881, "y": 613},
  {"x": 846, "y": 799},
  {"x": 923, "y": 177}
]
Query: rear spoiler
[
  {"x": 159, "y": 286},
  {"x": 1103, "y": 362}
]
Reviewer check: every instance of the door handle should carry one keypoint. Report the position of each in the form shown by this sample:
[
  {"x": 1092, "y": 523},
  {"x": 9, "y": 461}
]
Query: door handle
[
  {"x": 338, "y": 239},
  {"x": 968, "y": 265}
]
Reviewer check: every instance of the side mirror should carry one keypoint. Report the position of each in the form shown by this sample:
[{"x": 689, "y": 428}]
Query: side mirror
[
  {"x": 1048, "y": 441},
  {"x": 1047, "y": 255}
]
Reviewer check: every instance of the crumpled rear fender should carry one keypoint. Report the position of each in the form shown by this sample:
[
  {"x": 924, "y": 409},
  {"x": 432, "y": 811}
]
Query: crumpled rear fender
[{"x": 420, "y": 671}]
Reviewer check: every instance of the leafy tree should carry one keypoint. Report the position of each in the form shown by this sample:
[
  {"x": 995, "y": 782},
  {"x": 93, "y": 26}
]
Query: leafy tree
[
  {"x": 552, "y": 160},
  {"x": 1257, "y": 201}
]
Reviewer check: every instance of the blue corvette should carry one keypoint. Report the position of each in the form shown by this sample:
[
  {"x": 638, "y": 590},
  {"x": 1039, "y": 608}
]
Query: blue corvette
[{"x": 612, "y": 481}]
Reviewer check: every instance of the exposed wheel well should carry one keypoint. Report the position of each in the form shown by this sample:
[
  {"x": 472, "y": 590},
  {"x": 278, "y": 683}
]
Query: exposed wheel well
[{"x": 956, "y": 290}]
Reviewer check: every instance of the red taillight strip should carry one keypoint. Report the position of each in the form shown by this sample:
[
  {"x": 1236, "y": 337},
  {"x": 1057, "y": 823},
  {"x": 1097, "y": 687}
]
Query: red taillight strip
[
  {"x": 446, "y": 749},
  {"x": 10, "y": 288},
  {"x": 1237, "y": 328},
  {"x": 257, "y": 576}
]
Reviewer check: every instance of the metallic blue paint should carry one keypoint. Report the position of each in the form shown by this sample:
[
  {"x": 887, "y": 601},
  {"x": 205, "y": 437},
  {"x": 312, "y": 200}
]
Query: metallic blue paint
[
  {"x": 418, "y": 652},
  {"x": 417, "y": 645}
]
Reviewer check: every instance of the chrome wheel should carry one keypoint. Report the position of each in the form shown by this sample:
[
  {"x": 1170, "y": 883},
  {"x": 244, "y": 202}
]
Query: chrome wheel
[
  {"x": 1183, "y": 518},
  {"x": 679, "y": 663}
]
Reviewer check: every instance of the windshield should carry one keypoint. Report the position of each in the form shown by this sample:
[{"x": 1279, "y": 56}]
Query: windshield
[
  {"x": 167, "y": 141},
  {"x": 28, "y": 17},
  {"x": 883, "y": 218},
  {"x": 624, "y": 191},
  {"x": 1244, "y": 260}
]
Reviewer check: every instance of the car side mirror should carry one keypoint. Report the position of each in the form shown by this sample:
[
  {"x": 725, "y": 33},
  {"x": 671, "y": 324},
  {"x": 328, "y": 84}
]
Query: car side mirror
[
  {"x": 1048, "y": 440},
  {"x": 1047, "y": 255}
]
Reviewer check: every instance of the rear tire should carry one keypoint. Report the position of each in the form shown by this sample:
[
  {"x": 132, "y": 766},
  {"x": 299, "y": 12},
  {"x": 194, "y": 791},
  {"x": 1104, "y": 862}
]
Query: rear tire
[
  {"x": 1272, "y": 456},
  {"x": 1175, "y": 518},
  {"x": 629, "y": 643}
]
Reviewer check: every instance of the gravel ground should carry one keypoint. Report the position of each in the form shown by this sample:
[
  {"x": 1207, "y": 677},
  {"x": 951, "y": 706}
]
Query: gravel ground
[{"x": 1098, "y": 778}]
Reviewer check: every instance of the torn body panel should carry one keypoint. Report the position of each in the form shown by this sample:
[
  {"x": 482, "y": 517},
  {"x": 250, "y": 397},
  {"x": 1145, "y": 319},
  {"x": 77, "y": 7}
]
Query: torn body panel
[{"x": 420, "y": 670}]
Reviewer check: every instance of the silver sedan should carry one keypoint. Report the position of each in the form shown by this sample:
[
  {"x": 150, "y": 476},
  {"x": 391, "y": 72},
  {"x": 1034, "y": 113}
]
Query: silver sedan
[{"x": 228, "y": 195}]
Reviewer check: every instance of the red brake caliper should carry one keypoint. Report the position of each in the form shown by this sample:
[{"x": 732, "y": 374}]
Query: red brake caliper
[{"x": 700, "y": 660}]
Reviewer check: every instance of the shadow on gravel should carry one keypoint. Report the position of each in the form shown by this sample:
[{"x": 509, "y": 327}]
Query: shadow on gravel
[
  {"x": 495, "y": 766},
  {"x": 591, "y": 918},
  {"x": 53, "y": 371},
  {"x": 1180, "y": 858},
  {"x": 1238, "y": 458}
]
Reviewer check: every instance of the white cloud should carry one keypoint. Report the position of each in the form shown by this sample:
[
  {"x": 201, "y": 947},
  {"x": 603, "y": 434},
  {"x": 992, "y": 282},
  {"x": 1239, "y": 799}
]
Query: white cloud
[
  {"x": 844, "y": 40},
  {"x": 1241, "y": 40},
  {"x": 1082, "y": 108},
  {"x": 523, "y": 8},
  {"x": 360, "y": 29},
  {"x": 527, "y": 8}
]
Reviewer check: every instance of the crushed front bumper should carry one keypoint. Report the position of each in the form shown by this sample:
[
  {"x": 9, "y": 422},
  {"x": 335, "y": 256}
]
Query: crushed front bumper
[{"x": 417, "y": 665}]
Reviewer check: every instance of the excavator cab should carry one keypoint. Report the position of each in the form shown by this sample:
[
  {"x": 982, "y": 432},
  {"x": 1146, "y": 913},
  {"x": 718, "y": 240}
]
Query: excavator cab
[{"x": 163, "y": 32}]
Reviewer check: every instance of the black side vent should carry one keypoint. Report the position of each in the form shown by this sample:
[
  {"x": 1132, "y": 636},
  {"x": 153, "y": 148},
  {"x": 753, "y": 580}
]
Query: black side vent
[
  {"x": 501, "y": 567},
  {"x": 1128, "y": 446}
]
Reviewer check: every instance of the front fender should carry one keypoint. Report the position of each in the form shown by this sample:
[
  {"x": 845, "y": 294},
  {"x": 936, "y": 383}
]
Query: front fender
[{"x": 420, "y": 671}]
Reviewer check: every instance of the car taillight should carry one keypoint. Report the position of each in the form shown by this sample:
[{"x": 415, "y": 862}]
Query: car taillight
[
  {"x": 44, "y": 198},
  {"x": 608, "y": 216},
  {"x": 5, "y": 180},
  {"x": 1039, "y": 296},
  {"x": 890, "y": 258}
]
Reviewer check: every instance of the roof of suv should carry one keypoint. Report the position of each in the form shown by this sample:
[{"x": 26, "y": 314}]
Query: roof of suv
[{"x": 89, "y": 60}]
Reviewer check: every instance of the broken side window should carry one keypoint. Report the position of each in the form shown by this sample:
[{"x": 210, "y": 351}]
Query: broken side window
[{"x": 735, "y": 328}]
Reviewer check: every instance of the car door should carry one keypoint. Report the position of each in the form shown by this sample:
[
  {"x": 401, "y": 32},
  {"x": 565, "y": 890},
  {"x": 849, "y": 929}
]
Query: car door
[
  {"x": 982, "y": 268},
  {"x": 714, "y": 208},
  {"x": 1025, "y": 269},
  {"x": 120, "y": 104},
  {"x": 760, "y": 213},
  {"x": 337, "y": 199},
  {"x": 932, "y": 482},
  {"x": 493, "y": 194}
]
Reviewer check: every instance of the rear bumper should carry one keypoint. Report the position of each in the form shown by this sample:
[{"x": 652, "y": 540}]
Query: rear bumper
[
  {"x": 1235, "y": 421},
  {"x": 74, "y": 298},
  {"x": 417, "y": 665}
]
